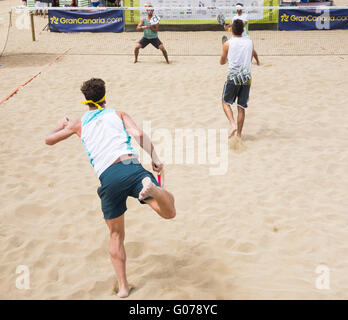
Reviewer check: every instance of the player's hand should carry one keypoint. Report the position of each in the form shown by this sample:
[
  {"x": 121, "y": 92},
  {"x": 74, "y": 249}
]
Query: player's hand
[
  {"x": 157, "y": 166},
  {"x": 64, "y": 122}
]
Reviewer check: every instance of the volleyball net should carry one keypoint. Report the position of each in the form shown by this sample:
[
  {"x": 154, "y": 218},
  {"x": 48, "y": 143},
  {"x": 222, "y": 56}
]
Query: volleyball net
[{"x": 184, "y": 31}]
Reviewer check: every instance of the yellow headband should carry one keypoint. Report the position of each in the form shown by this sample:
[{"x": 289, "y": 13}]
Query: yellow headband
[{"x": 95, "y": 103}]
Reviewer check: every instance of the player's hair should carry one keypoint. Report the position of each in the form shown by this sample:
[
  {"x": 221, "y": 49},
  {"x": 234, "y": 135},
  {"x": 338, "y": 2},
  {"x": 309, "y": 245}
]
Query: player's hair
[
  {"x": 93, "y": 89},
  {"x": 239, "y": 4},
  {"x": 237, "y": 27}
]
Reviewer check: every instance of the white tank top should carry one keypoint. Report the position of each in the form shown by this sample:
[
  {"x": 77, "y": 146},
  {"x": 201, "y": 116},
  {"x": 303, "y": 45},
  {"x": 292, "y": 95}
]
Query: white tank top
[
  {"x": 105, "y": 138},
  {"x": 239, "y": 57}
]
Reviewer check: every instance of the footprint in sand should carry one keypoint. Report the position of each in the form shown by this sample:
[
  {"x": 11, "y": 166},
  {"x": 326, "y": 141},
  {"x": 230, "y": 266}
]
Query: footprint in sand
[
  {"x": 134, "y": 249},
  {"x": 246, "y": 247},
  {"x": 236, "y": 144}
]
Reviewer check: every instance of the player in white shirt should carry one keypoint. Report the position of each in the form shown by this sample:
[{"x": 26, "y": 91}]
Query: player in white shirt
[
  {"x": 242, "y": 16},
  {"x": 237, "y": 52},
  {"x": 104, "y": 133}
]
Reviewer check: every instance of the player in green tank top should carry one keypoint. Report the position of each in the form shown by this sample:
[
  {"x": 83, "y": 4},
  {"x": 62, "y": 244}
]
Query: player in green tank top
[{"x": 150, "y": 35}]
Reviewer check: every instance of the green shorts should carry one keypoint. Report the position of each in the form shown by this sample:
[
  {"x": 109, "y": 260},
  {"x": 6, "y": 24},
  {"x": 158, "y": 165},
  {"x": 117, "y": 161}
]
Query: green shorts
[{"x": 119, "y": 181}]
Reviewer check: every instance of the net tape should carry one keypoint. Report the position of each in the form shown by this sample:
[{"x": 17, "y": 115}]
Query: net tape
[
  {"x": 178, "y": 43},
  {"x": 245, "y": 8}
]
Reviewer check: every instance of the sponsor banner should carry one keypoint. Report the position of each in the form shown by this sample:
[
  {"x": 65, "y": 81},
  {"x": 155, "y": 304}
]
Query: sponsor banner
[
  {"x": 131, "y": 16},
  {"x": 313, "y": 19},
  {"x": 73, "y": 21},
  {"x": 269, "y": 15},
  {"x": 201, "y": 11}
]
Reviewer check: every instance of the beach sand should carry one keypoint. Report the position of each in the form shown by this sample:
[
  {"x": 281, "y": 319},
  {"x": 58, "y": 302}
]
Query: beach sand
[{"x": 259, "y": 231}]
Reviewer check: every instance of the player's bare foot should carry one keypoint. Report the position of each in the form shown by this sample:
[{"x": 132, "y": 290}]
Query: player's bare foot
[
  {"x": 136, "y": 60},
  {"x": 148, "y": 188},
  {"x": 125, "y": 290},
  {"x": 166, "y": 57},
  {"x": 123, "y": 293}
]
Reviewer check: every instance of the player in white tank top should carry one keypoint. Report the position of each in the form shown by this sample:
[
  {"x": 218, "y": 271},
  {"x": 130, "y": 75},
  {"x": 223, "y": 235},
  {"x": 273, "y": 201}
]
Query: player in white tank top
[
  {"x": 239, "y": 56},
  {"x": 105, "y": 138},
  {"x": 104, "y": 133},
  {"x": 242, "y": 16},
  {"x": 238, "y": 52}
]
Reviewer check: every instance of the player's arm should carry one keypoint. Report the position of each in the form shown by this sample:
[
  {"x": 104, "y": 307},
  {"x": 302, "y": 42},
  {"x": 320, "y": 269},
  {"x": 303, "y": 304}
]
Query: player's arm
[
  {"x": 223, "y": 58},
  {"x": 66, "y": 129},
  {"x": 252, "y": 51},
  {"x": 142, "y": 138},
  {"x": 140, "y": 25},
  {"x": 154, "y": 28},
  {"x": 255, "y": 55},
  {"x": 227, "y": 26}
]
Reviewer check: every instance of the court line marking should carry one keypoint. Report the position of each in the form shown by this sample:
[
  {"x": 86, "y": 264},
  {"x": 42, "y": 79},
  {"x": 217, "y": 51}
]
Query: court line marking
[{"x": 33, "y": 77}]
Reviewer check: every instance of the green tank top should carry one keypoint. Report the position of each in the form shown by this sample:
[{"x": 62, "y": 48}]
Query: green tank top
[{"x": 148, "y": 33}]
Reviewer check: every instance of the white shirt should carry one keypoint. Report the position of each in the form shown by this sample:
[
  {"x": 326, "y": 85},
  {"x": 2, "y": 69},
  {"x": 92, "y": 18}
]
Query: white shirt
[
  {"x": 239, "y": 57},
  {"x": 105, "y": 138},
  {"x": 244, "y": 18}
]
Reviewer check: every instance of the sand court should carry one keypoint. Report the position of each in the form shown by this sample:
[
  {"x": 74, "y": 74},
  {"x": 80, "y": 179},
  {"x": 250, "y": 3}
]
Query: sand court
[{"x": 259, "y": 231}]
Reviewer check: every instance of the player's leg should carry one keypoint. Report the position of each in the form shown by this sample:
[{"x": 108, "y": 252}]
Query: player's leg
[
  {"x": 141, "y": 44},
  {"x": 162, "y": 201},
  {"x": 242, "y": 104},
  {"x": 136, "y": 51},
  {"x": 45, "y": 10},
  {"x": 113, "y": 193},
  {"x": 164, "y": 52},
  {"x": 41, "y": 12},
  {"x": 37, "y": 7},
  {"x": 229, "y": 114},
  {"x": 228, "y": 97},
  {"x": 240, "y": 121},
  {"x": 146, "y": 188},
  {"x": 118, "y": 253}
]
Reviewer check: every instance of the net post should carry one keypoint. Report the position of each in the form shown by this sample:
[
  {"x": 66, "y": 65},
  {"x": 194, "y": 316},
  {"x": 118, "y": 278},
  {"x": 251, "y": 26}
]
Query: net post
[{"x": 32, "y": 25}]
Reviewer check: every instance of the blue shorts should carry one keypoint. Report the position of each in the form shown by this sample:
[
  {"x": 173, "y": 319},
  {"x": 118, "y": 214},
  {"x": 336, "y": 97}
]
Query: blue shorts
[
  {"x": 95, "y": 4},
  {"x": 233, "y": 91},
  {"x": 119, "y": 181},
  {"x": 154, "y": 41}
]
